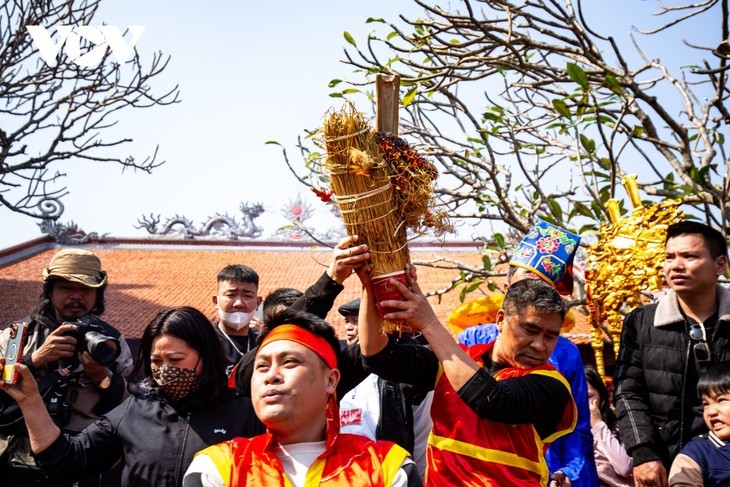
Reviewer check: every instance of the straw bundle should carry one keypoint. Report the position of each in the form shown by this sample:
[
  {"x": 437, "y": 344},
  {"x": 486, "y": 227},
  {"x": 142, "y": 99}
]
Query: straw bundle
[{"x": 366, "y": 198}]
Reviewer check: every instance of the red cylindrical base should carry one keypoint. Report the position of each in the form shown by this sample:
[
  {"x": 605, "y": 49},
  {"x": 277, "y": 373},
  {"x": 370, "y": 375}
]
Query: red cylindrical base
[{"x": 384, "y": 290}]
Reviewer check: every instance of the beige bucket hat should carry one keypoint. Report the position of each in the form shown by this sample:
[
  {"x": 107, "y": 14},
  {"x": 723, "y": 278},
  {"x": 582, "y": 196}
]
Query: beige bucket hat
[{"x": 76, "y": 265}]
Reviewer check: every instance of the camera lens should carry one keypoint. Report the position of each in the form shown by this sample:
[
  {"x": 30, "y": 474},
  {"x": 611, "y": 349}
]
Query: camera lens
[{"x": 103, "y": 349}]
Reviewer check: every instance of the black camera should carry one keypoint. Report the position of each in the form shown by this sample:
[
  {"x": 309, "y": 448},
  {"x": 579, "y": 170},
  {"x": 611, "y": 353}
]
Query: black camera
[{"x": 91, "y": 337}]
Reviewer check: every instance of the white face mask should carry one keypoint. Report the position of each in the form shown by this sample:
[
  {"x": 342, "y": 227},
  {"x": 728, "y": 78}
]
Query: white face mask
[{"x": 237, "y": 320}]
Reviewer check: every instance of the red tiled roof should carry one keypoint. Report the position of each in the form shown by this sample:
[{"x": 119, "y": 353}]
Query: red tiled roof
[{"x": 147, "y": 276}]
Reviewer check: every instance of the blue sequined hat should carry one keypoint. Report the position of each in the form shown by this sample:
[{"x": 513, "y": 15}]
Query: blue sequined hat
[{"x": 548, "y": 251}]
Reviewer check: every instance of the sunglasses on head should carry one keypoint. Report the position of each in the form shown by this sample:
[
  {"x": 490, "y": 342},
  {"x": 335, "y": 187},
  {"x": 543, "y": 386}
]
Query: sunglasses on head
[{"x": 700, "y": 349}]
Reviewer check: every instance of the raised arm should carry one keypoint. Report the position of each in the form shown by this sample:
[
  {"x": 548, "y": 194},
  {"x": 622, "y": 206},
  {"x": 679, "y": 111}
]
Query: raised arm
[
  {"x": 42, "y": 431},
  {"x": 319, "y": 297},
  {"x": 417, "y": 312}
]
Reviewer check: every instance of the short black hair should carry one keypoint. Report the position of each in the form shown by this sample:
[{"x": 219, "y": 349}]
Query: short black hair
[
  {"x": 511, "y": 273},
  {"x": 238, "y": 273},
  {"x": 715, "y": 381},
  {"x": 305, "y": 320},
  {"x": 283, "y": 296},
  {"x": 536, "y": 293},
  {"x": 714, "y": 240}
]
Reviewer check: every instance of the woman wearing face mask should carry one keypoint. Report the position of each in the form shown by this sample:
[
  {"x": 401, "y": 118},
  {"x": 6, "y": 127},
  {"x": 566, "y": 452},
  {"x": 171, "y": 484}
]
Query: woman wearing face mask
[{"x": 181, "y": 407}]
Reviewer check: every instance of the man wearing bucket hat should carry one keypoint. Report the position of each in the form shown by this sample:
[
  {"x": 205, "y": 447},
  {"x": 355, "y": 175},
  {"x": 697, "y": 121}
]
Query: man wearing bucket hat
[
  {"x": 547, "y": 252},
  {"x": 78, "y": 388}
]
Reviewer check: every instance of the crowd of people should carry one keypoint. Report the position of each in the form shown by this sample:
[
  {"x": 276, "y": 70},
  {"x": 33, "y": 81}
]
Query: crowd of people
[{"x": 281, "y": 400}]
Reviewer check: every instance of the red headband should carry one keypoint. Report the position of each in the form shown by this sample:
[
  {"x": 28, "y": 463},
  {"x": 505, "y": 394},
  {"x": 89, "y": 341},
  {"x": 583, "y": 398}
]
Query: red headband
[{"x": 295, "y": 333}]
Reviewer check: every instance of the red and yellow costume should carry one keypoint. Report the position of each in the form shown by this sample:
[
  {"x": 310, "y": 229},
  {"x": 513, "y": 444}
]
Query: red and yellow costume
[
  {"x": 464, "y": 449},
  {"x": 348, "y": 460}
]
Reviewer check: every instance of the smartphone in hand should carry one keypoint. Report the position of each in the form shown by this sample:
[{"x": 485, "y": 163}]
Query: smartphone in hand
[{"x": 14, "y": 351}]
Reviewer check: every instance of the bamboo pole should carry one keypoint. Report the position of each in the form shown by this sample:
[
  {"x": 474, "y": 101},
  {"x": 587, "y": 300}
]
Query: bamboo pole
[{"x": 387, "y": 100}]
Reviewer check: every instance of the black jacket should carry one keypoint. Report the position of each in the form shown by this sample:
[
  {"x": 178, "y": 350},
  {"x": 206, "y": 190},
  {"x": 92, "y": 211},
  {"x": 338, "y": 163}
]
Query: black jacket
[
  {"x": 653, "y": 394},
  {"x": 232, "y": 352},
  {"x": 318, "y": 299},
  {"x": 156, "y": 442}
]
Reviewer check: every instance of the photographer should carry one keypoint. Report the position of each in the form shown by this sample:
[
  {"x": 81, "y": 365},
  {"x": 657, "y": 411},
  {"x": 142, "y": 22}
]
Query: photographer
[
  {"x": 181, "y": 406},
  {"x": 61, "y": 333}
]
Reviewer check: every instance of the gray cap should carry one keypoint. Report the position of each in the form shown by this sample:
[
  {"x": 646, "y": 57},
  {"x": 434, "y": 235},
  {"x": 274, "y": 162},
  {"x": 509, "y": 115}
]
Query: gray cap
[{"x": 351, "y": 308}]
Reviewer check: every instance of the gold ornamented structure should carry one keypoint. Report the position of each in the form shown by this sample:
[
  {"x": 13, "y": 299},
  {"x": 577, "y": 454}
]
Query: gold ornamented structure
[{"x": 627, "y": 259}]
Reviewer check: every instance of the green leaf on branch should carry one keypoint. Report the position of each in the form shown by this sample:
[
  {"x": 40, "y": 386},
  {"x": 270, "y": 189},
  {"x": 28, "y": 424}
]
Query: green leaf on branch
[
  {"x": 350, "y": 39},
  {"x": 487, "y": 262},
  {"x": 561, "y": 107},
  {"x": 499, "y": 238},
  {"x": 409, "y": 96},
  {"x": 577, "y": 74},
  {"x": 370, "y": 20},
  {"x": 555, "y": 209},
  {"x": 588, "y": 144},
  {"x": 581, "y": 209},
  {"x": 612, "y": 84},
  {"x": 473, "y": 286},
  {"x": 597, "y": 212},
  {"x": 334, "y": 83},
  {"x": 586, "y": 228}
]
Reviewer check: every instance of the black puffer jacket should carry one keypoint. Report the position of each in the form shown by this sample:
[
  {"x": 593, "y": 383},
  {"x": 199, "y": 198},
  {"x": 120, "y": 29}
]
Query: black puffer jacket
[
  {"x": 653, "y": 394},
  {"x": 156, "y": 442}
]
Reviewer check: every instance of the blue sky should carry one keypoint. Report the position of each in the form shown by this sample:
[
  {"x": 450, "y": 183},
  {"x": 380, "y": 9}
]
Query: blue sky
[{"x": 248, "y": 72}]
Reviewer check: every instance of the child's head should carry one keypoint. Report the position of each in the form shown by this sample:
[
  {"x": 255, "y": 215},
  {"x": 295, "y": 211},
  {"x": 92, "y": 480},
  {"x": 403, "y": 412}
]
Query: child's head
[
  {"x": 714, "y": 390},
  {"x": 596, "y": 387}
]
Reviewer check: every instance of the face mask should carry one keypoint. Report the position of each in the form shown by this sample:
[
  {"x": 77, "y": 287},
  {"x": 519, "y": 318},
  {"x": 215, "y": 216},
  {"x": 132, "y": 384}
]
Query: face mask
[
  {"x": 175, "y": 381},
  {"x": 237, "y": 320}
]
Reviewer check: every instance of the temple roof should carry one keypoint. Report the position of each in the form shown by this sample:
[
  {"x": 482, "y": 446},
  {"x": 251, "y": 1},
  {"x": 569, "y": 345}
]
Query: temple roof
[{"x": 147, "y": 275}]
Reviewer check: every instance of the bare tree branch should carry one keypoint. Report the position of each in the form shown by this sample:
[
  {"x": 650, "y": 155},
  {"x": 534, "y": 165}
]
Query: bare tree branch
[
  {"x": 531, "y": 112},
  {"x": 62, "y": 113}
]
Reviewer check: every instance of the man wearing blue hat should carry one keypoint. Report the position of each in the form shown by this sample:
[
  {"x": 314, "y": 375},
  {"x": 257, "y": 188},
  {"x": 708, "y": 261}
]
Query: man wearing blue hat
[{"x": 547, "y": 253}]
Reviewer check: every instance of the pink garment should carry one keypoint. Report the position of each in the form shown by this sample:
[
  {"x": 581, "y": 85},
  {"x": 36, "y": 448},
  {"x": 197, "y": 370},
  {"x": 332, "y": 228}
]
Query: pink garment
[{"x": 613, "y": 464}]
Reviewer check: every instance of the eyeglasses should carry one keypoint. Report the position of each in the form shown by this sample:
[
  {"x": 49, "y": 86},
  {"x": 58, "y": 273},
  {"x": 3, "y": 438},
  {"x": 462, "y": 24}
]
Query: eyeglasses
[{"x": 701, "y": 349}]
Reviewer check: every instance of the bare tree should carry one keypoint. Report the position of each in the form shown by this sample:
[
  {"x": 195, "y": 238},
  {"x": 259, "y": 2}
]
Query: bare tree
[
  {"x": 62, "y": 112},
  {"x": 532, "y": 112}
]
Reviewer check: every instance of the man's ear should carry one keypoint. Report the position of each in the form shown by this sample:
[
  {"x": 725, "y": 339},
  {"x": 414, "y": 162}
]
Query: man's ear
[
  {"x": 500, "y": 319},
  {"x": 215, "y": 299},
  {"x": 333, "y": 378},
  {"x": 721, "y": 265}
]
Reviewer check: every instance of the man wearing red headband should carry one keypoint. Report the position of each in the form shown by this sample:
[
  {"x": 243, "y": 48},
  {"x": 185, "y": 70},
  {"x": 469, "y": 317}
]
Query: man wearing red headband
[{"x": 293, "y": 391}]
